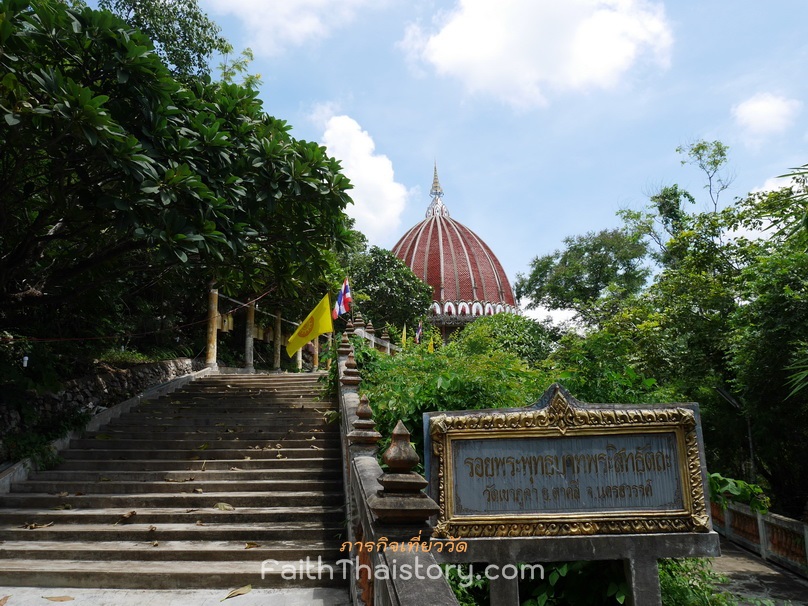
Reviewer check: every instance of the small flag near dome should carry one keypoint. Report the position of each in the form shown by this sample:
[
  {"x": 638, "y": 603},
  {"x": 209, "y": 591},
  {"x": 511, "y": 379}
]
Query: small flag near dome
[
  {"x": 343, "y": 304},
  {"x": 419, "y": 332}
]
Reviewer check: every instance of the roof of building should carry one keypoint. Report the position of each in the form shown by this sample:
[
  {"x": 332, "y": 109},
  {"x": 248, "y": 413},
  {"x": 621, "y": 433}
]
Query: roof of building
[{"x": 466, "y": 277}]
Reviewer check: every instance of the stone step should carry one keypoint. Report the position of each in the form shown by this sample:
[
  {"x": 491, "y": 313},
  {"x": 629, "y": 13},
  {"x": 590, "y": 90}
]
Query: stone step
[
  {"x": 225, "y": 408},
  {"x": 240, "y": 433},
  {"x": 195, "y": 454},
  {"x": 169, "y": 515},
  {"x": 171, "y": 461},
  {"x": 105, "y": 485},
  {"x": 234, "y": 474},
  {"x": 181, "y": 466},
  {"x": 169, "y": 550},
  {"x": 192, "y": 421},
  {"x": 158, "y": 443},
  {"x": 169, "y": 575},
  {"x": 181, "y": 500},
  {"x": 135, "y": 531}
]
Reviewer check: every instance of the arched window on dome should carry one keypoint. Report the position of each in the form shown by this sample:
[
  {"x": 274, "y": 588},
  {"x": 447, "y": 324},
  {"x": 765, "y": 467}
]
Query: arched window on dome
[
  {"x": 449, "y": 309},
  {"x": 435, "y": 309},
  {"x": 489, "y": 309},
  {"x": 477, "y": 309},
  {"x": 500, "y": 309},
  {"x": 463, "y": 309}
]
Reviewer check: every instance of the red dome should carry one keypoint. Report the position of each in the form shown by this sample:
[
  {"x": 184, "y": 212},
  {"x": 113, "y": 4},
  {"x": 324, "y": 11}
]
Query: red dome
[{"x": 466, "y": 277}]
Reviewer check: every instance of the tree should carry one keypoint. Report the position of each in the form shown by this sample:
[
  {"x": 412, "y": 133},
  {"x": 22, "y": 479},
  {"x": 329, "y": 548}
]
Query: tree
[
  {"x": 592, "y": 265},
  {"x": 183, "y": 35},
  {"x": 523, "y": 337},
  {"x": 116, "y": 179},
  {"x": 387, "y": 291}
]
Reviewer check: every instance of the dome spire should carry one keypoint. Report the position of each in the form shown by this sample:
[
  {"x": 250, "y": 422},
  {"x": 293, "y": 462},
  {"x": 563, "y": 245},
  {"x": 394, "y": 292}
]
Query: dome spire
[{"x": 436, "y": 208}]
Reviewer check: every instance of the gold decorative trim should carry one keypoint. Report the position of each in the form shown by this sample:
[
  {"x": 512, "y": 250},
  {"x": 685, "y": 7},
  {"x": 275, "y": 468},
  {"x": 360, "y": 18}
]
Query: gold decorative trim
[{"x": 558, "y": 414}]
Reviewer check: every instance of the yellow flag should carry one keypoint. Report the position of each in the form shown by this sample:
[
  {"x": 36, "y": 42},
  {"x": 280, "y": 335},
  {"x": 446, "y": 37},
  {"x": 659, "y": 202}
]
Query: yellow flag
[
  {"x": 318, "y": 322},
  {"x": 404, "y": 337},
  {"x": 431, "y": 347}
]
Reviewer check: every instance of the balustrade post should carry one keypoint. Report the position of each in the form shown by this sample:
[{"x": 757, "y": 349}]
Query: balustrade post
[
  {"x": 213, "y": 321},
  {"x": 315, "y": 362},
  {"x": 763, "y": 536},
  {"x": 276, "y": 363},
  {"x": 364, "y": 437},
  {"x": 402, "y": 500},
  {"x": 249, "y": 360},
  {"x": 351, "y": 375}
]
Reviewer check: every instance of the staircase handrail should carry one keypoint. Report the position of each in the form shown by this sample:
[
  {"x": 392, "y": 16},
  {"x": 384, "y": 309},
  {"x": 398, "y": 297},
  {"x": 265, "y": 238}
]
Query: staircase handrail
[{"x": 366, "y": 535}]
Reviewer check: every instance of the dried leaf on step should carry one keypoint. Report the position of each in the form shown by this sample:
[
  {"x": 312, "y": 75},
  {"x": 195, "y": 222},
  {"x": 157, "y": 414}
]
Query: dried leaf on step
[
  {"x": 34, "y": 526},
  {"x": 204, "y": 446},
  {"x": 224, "y": 507},
  {"x": 155, "y": 544},
  {"x": 248, "y": 458},
  {"x": 280, "y": 456},
  {"x": 125, "y": 517},
  {"x": 103, "y": 436},
  {"x": 316, "y": 447},
  {"x": 250, "y": 545},
  {"x": 63, "y": 494},
  {"x": 278, "y": 445},
  {"x": 219, "y": 425},
  {"x": 62, "y": 507},
  {"x": 198, "y": 490},
  {"x": 203, "y": 465},
  {"x": 237, "y": 592},
  {"x": 59, "y": 598},
  {"x": 235, "y": 469},
  {"x": 200, "y": 523},
  {"x": 4, "y": 600},
  {"x": 190, "y": 510},
  {"x": 104, "y": 480},
  {"x": 311, "y": 438},
  {"x": 152, "y": 528}
]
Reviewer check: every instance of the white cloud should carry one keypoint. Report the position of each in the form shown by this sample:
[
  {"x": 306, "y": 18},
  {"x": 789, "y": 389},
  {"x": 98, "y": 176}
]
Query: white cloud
[
  {"x": 518, "y": 50},
  {"x": 378, "y": 199},
  {"x": 774, "y": 184},
  {"x": 558, "y": 317},
  {"x": 765, "y": 114},
  {"x": 274, "y": 25}
]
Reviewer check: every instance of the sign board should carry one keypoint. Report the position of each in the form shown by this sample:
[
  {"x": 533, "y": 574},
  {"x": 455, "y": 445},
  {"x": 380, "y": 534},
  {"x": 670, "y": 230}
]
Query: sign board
[{"x": 562, "y": 467}]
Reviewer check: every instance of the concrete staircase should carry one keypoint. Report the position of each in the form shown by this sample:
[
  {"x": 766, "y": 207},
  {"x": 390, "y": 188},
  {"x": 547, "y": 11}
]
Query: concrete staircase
[{"x": 192, "y": 490}]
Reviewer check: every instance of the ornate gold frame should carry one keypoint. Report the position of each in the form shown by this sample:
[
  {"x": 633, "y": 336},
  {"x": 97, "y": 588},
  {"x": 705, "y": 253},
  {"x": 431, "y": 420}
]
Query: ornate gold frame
[{"x": 564, "y": 416}]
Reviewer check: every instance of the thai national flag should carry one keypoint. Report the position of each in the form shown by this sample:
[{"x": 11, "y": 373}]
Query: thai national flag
[
  {"x": 419, "y": 332},
  {"x": 343, "y": 304}
]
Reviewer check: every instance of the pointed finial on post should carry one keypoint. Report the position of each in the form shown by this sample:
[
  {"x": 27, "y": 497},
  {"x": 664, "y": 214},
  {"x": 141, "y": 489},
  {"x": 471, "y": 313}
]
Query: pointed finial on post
[
  {"x": 349, "y": 328},
  {"x": 400, "y": 456},
  {"x": 369, "y": 328},
  {"x": 402, "y": 500},
  {"x": 351, "y": 375},
  {"x": 344, "y": 345},
  {"x": 364, "y": 427},
  {"x": 358, "y": 321}
]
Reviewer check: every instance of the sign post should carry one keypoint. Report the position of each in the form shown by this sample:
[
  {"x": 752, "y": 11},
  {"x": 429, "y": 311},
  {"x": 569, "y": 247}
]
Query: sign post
[{"x": 561, "y": 480}]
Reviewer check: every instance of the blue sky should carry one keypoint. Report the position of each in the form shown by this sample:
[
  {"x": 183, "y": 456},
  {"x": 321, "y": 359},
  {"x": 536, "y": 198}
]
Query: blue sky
[{"x": 545, "y": 118}]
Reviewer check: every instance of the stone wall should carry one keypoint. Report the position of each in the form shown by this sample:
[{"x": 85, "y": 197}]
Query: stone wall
[{"x": 98, "y": 391}]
